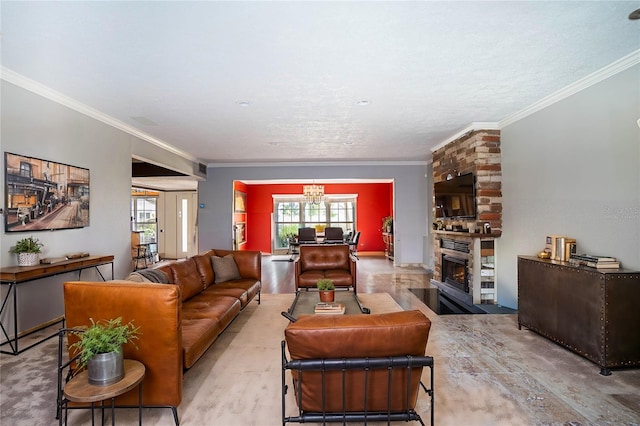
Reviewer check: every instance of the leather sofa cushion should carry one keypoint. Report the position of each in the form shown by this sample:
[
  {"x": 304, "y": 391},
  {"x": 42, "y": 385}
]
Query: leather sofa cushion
[
  {"x": 340, "y": 278},
  {"x": 323, "y": 257},
  {"x": 244, "y": 290},
  {"x": 349, "y": 336},
  {"x": 204, "y": 317},
  {"x": 185, "y": 275},
  {"x": 204, "y": 267}
]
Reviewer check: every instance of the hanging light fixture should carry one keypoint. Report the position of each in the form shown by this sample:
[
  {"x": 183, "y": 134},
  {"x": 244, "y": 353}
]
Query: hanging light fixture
[{"x": 313, "y": 194}]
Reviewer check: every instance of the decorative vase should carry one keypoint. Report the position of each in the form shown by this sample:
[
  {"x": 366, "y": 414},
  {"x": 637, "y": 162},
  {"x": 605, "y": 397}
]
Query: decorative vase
[
  {"x": 28, "y": 259},
  {"x": 327, "y": 295},
  {"x": 106, "y": 369}
]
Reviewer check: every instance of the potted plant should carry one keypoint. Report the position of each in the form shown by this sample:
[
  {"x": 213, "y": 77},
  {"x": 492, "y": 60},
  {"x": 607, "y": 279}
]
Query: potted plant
[
  {"x": 28, "y": 251},
  {"x": 387, "y": 224},
  {"x": 100, "y": 349},
  {"x": 326, "y": 290}
]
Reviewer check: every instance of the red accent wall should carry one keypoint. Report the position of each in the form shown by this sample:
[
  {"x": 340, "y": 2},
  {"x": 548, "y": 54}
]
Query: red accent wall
[{"x": 375, "y": 201}]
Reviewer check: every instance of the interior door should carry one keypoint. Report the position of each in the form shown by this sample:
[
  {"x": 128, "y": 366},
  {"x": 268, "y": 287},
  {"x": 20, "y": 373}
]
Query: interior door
[{"x": 178, "y": 226}]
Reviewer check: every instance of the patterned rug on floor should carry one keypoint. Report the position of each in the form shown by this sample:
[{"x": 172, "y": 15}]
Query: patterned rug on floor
[{"x": 236, "y": 382}]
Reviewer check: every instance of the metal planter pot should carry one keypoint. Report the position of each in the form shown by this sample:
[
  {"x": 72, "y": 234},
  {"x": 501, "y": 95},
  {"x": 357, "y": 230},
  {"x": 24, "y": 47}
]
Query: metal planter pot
[{"x": 106, "y": 369}]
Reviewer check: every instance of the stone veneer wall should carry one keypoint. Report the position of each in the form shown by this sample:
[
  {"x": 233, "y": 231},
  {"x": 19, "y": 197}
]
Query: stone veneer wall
[{"x": 477, "y": 152}]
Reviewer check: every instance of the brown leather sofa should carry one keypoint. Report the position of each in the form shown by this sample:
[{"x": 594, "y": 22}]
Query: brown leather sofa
[
  {"x": 178, "y": 321},
  {"x": 356, "y": 368},
  {"x": 332, "y": 261}
]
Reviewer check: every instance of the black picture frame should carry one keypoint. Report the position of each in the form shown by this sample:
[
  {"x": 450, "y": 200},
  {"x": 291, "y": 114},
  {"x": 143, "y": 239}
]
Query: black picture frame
[{"x": 44, "y": 195}]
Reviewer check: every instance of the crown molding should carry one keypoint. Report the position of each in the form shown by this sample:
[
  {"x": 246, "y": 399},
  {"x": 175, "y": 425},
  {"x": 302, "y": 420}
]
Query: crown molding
[
  {"x": 476, "y": 125},
  {"x": 614, "y": 68},
  {"x": 596, "y": 77},
  {"x": 320, "y": 164},
  {"x": 46, "y": 92}
]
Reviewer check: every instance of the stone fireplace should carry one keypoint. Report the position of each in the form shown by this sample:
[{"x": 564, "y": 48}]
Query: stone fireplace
[{"x": 464, "y": 255}]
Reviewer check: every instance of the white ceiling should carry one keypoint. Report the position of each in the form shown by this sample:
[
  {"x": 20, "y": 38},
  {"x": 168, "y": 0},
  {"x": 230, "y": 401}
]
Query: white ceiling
[{"x": 177, "y": 71}]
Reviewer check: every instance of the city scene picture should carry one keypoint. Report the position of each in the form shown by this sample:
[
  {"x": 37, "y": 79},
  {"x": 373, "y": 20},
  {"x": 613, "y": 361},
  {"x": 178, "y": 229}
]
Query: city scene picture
[{"x": 44, "y": 195}]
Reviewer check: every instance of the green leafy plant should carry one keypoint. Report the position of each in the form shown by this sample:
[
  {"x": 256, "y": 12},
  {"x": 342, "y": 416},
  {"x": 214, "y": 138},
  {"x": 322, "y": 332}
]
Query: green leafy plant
[
  {"x": 387, "y": 222},
  {"x": 325, "y": 284},
  {"x": 103, "y": 337},
  {"x": 27, "y": 245},
  {"x": 287, "y": 233}
]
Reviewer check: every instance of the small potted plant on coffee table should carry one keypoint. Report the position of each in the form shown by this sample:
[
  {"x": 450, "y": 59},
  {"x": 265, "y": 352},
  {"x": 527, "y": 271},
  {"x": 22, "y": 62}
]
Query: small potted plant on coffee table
[
  {"x": 100, "y": 349},
  {"x": 28, "y": 251},
  {"x": 326, "y": 290}
]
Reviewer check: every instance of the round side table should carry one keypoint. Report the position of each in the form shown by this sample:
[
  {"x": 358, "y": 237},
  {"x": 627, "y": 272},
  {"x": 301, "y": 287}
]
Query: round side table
[{"x": 78, "y": 389}]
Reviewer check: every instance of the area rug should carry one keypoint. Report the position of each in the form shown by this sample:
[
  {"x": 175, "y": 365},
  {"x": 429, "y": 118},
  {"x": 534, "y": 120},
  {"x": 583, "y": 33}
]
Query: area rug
[
  {"x": 488, "y": 372},
  {"x": 236, "y": 382}
]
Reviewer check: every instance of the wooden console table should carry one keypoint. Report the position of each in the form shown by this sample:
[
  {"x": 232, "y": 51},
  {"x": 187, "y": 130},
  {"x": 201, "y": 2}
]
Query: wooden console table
[
  {"x": 593, "y": 312},
  {"x": 14, "y": 275}
]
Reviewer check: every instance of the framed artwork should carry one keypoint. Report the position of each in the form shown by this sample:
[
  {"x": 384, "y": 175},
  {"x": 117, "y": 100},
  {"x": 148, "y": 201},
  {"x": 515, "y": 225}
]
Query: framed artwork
[
  {"x": 241, "y": 236},
  {"x": 239, "y": 201},
  {"x": 44, "y": 195}
]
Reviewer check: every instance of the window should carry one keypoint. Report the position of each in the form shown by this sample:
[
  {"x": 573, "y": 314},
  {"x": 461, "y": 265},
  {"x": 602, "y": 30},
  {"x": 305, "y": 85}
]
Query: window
[
  {"x": 287, "y": 221},
  {"x": 292, "y": 213},
  {"x": 144, "y": 219},
  {"x": 25, "y": 169}
]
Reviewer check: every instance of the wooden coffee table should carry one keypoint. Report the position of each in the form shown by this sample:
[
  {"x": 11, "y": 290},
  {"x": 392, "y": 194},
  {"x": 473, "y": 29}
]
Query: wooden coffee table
[{"x": 305, "y": 302}]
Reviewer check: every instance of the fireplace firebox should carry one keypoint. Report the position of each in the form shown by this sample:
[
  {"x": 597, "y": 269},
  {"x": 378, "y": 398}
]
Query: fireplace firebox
[{"x": 454, "y": 272}]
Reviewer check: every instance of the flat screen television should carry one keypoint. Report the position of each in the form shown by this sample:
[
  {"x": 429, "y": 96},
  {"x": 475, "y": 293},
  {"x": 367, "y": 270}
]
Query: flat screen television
[
  {"x": 456, "y": 198},
  {"x": 44, "y": 195}
]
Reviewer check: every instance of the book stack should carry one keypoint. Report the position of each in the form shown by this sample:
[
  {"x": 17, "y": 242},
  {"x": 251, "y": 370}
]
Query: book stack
[
  {"x": 332, "y": 308},
  {"x": 599, "y": 262}
]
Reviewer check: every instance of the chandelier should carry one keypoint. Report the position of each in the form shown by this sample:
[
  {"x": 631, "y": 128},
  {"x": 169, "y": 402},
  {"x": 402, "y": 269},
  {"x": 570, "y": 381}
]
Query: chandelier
[{"x": 313, "y": 194}]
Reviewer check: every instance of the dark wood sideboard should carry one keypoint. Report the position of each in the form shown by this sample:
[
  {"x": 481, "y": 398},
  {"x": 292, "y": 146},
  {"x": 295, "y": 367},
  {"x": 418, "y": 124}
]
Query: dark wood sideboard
[{"x": 592, "y": 312}]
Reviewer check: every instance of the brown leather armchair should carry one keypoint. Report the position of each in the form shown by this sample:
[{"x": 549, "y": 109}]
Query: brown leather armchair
[
  {"x": 332, "y": 261},
  {"x": 156, "y": 309},
  {"x": 356, "y": 368}
]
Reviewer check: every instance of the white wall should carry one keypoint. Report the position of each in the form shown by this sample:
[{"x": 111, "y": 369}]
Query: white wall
[
  {"x": 410, "y": 223},
  {"x": 35, "y": 126},
  {"x": 573, "y": 169}
]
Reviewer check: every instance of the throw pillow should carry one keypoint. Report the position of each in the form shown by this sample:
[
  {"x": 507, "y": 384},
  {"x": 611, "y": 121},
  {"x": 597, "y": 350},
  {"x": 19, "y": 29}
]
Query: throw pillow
[
  {"x": 225, "y": 268},
  {"x": 148, "y": 276},
  {"x": 154, "y": 275},
  {"x": 138, "y": 278}
]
